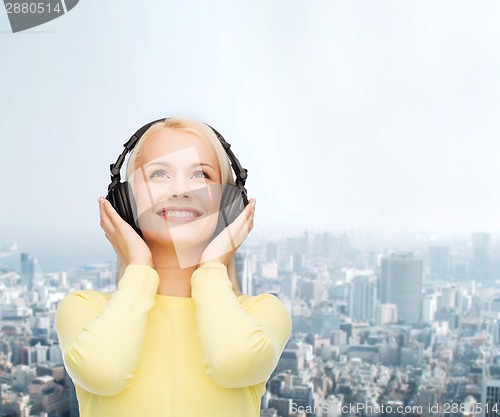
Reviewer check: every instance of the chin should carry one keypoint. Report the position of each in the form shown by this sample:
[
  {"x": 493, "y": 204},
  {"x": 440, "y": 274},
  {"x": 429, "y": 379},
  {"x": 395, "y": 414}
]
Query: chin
[
  {"x": 194, "y": 233},
  {"x": 187, "y": 242}
]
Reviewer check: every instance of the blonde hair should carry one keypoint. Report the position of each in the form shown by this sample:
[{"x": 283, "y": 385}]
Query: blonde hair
[{"x": 208, "y": 136}]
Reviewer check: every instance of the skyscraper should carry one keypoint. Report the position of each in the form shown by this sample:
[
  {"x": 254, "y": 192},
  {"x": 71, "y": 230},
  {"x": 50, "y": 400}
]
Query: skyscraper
[
  {"x": 244, "y": 267},
  {"x": 289, "y": 285},
  {"x": 439, "y": 259},
  {"x": 491, "y": 391},
  {"x": 298, "y": 261},
  {"x": 401, "y": 284},
  {"x": 29, "y": 268},
  {"x": 480, "y": 256},
  {"x": 362, "y": 298}
]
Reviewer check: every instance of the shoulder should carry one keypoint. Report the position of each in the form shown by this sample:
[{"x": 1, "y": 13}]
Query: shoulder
[
  {"x": 91, "y": 298},
  {"x": 79, "y": 306},
  {"x": 261, "y": 299},
  {"x": 272, "y": 315},
  {"x": 265, "y": 302}
]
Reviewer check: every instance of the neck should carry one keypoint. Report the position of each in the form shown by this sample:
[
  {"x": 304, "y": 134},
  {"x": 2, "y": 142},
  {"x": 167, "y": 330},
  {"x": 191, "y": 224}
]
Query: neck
[{"x": 175, "y": 268}]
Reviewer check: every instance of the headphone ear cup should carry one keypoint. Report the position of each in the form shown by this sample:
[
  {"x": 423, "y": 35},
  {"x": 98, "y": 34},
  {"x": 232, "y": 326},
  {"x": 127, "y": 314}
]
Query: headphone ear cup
[
  {"x": 231, "y": 206},
  {"x": 119, "y": 197}
]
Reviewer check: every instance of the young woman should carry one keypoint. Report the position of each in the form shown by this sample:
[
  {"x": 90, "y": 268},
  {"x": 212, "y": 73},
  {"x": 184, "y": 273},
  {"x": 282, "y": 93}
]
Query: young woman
[{"x": 176, "y": 338}]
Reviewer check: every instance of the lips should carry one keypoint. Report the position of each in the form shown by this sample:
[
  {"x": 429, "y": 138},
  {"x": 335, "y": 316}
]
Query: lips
[{"x": 179, "y": 214}]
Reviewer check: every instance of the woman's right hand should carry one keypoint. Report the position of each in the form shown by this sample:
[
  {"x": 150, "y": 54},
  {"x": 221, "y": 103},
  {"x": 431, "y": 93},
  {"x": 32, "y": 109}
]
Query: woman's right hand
[{"x": 128, "y": 245}]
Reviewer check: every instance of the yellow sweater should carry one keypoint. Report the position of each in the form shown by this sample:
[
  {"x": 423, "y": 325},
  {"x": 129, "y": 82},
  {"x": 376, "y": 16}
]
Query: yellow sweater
[{"x": 135, "y": 353}]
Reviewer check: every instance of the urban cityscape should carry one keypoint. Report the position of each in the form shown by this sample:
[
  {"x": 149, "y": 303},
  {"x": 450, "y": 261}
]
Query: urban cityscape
[{"x": 399, "y": 330}]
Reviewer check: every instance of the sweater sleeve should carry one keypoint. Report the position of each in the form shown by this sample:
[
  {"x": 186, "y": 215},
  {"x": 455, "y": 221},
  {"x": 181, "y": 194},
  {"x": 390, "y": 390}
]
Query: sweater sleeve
[
  {"x": 101, "y": 346},
  {"x": 241, "y": 345}
]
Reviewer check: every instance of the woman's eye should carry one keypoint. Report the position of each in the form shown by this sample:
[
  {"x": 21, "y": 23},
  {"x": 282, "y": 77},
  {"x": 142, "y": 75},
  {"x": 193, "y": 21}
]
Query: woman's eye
[
  {"x": 159, "y": 173},
  {"x": 200, "y": 174}
]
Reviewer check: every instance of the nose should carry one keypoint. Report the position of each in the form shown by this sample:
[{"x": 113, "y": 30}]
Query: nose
[
  {"x": 184, "y": 195},
  {"x": 179, "y": 189}
]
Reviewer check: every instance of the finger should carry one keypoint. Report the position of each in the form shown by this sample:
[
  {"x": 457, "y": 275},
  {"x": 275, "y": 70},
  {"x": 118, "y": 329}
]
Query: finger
[
  {"x": 251, "y": 221},
  {"x": 231, "y": 240},
  {"x": 245, "y": 214},
  {"x": 106, "y": 224},
  {"x": 109, "y": 240},
  {"x": 243, "y": 223},
  {"x": 250, "y": 215},
  {"x": 112, "y": 214}
]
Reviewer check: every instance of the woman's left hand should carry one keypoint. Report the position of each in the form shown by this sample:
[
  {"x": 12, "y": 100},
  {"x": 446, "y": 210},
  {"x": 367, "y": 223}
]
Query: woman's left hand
[{"x": 225, "y": 245}]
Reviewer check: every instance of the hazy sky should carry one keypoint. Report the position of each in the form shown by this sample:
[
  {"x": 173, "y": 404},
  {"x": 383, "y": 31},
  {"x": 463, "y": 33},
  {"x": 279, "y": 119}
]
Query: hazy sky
[{"x": 368, "y": 114}]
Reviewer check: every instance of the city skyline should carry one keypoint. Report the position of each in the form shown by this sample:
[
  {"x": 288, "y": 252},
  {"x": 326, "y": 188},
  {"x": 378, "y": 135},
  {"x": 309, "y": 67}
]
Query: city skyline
[
  {"x": 67, "y": 254},
  {"x": 417, "y": 328}
]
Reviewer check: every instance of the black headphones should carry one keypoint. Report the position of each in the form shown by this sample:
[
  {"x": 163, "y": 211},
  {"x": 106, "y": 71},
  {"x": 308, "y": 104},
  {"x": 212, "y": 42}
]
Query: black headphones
[{"x": 234, "y": 198}]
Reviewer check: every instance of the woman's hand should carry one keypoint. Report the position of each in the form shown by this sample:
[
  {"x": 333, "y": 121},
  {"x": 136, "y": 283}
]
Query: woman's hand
[
  {"x": 128, "y": 245},
  {"x": 225, "y": 245}
]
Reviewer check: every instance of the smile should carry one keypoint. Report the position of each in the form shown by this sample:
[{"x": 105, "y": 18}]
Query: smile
[
  {"x": 182, "y": 213},
  {"x": 179, "y": 214}
]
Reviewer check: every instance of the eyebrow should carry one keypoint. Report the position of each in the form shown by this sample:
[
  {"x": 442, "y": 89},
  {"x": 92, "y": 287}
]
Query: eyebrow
[{"x": 168, "y": 165}]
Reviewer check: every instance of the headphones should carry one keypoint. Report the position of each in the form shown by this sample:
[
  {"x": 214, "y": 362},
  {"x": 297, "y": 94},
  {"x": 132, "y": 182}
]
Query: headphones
[{"x": 234, "y": 197}]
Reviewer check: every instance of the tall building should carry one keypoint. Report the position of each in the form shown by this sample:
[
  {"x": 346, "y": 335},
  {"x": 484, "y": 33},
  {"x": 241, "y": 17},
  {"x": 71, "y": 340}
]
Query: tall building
[
  {"x": 304, "y": 243},
  {"x": 30, "y": 271},
  {"x": 28, "y": 355},
  {"x": 429, "y": 307},
  {"x": 48, "y": 395},
  {"x": 480, "y": 256},
  {"x": 490, "y": 395},
  {"x": 272, "y": 252},
  {"x": 283, "y": 406},
  {"x": 495, "y": 305},
  {"x": 27, "y": 270},
  {"x": 439, "y": 259},
  {"x": 362, "y": 298},
  {"x": 289, "y": 286},
  {"x": 311, "y": 290},
  {"x": 324, "y": 320},
  {"x": 448, "y": 297},
  {"x": 292, "y": 358},
  {"x": 298, "y": 261},
  {"x": 401, "y": 284},
  {"x": 427, "y": 394},
  {"x": 244, "y": 267}
]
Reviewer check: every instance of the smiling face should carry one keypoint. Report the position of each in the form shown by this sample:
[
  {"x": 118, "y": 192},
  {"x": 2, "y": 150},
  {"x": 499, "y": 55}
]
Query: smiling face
[{"x": 177, "y": 189}]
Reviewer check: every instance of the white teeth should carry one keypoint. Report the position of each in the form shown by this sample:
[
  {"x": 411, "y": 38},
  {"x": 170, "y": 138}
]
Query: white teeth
[{"x": 182, "y": 213}]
